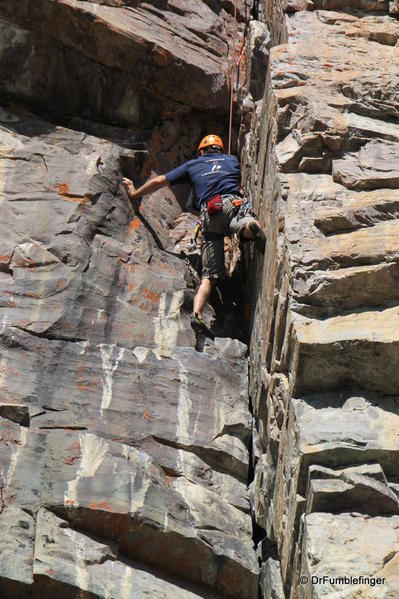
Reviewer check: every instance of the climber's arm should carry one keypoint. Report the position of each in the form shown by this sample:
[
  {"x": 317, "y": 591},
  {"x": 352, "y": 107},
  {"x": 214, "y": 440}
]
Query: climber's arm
[{"x": 149, "y": 186}]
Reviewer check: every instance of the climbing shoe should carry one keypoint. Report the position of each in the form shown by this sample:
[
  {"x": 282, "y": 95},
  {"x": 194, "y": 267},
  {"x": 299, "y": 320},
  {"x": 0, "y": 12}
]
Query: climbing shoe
[
  {"x": 259, "y": 237},
  {"x": 198, "y": 326}
]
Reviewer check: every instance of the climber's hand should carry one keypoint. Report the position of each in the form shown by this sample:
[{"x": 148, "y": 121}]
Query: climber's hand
[{"x": 130, "y": 189}]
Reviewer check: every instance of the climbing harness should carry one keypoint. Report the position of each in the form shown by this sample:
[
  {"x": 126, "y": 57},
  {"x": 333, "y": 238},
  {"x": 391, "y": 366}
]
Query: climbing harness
[
  {"x": 242, "y": 208},
  {"x": 237, "y": 202}
]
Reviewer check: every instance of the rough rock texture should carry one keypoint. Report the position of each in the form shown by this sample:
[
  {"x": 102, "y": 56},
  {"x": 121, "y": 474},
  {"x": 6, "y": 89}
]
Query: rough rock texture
[
  {"x": 109, "y": 416},
  {"x": 124, "y": 452},
  {"x": 143, "y": 55},
  {"x": 125, "y": 448},
  {"x": 322, "y": 167},
  {"x": 68, "y": 562},
  {"x": 333, "y": 544}
]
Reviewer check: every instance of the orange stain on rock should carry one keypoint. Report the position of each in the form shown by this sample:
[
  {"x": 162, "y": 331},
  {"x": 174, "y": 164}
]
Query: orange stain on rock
[
  {"x": 63, "y": 190},
  {"x": 151, "y": 295},
  {"x": 83, "y": 383},
  {"x": 135, "y": 224},
  {"x": 85, "y": 388},
  {"x": 147, "y": 416},
  {"x": 100, "y": 505},
  {"x": 69, "y": 460},
  {"x": 162, "y": 56}
]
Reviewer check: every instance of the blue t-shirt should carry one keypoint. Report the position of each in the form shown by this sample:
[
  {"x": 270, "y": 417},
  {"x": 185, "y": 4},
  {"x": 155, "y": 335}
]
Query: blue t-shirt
[{"x": 209, "y": 174}]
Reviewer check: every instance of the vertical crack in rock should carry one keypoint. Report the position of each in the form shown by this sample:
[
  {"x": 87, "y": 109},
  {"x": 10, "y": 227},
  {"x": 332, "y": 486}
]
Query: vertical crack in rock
[
  {"x": 320, "y": 162},
  {"x": 131, "y": 478}
]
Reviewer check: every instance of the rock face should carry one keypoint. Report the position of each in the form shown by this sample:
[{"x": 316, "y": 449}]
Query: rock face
[
  {"x": 322, "y": 166},
  {"x": 109, "y": 417},
  {"x": 126, "y": 448},
  {"x": 124, "y": 452},
  {"x": 143, "y": 56}
]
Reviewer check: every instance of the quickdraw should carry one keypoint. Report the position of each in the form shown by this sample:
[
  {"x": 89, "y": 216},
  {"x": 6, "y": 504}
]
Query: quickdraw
[{"x": 194, "y": 240}]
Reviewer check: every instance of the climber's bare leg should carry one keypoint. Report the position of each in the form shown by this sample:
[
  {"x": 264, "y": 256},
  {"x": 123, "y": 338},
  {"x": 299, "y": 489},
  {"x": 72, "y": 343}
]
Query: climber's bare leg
[{"x": 202, "y": 296}]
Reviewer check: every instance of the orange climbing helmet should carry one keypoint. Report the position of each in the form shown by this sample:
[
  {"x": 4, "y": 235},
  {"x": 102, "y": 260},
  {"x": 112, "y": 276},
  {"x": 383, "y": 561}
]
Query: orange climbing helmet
[{"x": 210, "y": 140}]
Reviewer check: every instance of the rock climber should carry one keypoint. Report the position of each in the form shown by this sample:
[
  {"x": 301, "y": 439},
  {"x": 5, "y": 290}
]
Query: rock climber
[{"x": 216, "y": 178}]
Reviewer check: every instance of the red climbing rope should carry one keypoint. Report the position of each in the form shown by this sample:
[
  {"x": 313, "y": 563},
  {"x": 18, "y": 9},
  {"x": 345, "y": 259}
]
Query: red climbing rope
[
  {"x": 234, "y": 66},
  {"x": 232, "y": 74}
]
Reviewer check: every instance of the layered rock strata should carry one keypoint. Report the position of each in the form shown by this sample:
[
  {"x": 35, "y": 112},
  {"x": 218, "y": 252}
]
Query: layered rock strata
[
  {"x": 144, "y": 56},
  {"x": 124, "y": 452},
  {"x": 322, "y": 167}
]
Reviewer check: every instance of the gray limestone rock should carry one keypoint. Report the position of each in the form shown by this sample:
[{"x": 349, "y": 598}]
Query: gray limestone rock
[
  {"x": 351, "y": 492},
  {"x": 128, "y": 433},
  {"x": 374, "y": 166},
  {"x": 322, "y": 167},
  {"x": 337, "y": 556},
  {"x": 117, "y": 492},
  {"x": 17, "y": 541},
  {"x": 67, "y": 562},
  {"x": 135, "y": 60},
  {"x": 124, "y": 453},
  {"x": 271, "y": 585},
  {"x": 257, "y": 52}
]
